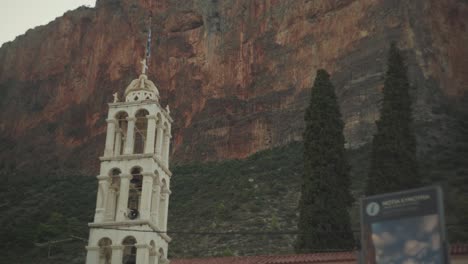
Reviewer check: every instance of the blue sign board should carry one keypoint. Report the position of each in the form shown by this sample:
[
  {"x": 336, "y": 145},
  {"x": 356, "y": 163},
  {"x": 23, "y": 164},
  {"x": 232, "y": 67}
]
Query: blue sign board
[{"x": 404, "y": 228}]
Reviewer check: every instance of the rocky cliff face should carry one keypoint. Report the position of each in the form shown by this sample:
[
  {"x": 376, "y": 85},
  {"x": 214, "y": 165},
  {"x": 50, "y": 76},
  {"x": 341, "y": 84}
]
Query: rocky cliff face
[{"x": 236, "y": 74}]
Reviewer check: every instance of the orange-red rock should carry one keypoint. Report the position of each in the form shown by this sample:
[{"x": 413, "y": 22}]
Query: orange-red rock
[{"x": 235, "y": 73}]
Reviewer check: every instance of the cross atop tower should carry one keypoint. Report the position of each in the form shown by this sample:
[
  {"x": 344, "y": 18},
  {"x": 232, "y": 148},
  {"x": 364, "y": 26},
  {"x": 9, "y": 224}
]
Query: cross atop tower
[
  {"x": 144, "y": 66},
  {"x": 146, "y": 60}
]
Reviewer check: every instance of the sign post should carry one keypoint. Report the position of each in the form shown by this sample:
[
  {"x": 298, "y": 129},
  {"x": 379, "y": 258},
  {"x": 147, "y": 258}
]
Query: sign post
[{"x": 404, "y": 227}]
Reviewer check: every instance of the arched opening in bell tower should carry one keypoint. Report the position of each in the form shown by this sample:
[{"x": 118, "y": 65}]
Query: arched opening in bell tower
[
  {"x": 105, "y": 251},
  {"x": 120, "y": 132},
  {"x": 134, "y": 192},
  {"x": 141, "y": 126},
  {"x": 129, "y": 250}
]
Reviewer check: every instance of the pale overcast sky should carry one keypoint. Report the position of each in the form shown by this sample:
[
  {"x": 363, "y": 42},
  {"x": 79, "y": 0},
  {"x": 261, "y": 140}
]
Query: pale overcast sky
[{"x": 17, "y": 16}]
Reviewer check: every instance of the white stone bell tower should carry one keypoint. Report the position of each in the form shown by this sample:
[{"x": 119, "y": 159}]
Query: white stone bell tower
[{"x": 133, "y": 192}]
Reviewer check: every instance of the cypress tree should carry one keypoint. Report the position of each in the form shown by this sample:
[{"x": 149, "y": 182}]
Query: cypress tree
[
  {"x": 324, "y": 221},
  {"x": 393, "y": 155}
]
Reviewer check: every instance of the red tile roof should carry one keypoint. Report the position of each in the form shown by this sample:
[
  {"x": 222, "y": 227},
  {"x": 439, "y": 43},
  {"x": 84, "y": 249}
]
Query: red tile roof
[
  {"x": 459, "y": 249},
  {"x": 315, "y": 258},
  {"x": 333, "y": 257},
  {"x": 221, "y": 260}
]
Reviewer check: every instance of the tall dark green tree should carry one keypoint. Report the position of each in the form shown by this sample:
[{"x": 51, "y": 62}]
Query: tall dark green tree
[
  {"x": 393, "y": 156},
  {"x": 324, "y": 221}
]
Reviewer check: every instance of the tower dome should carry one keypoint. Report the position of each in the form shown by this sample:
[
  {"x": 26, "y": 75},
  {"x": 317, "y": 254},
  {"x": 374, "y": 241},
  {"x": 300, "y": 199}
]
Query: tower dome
[{"x": 141, "y": 89}]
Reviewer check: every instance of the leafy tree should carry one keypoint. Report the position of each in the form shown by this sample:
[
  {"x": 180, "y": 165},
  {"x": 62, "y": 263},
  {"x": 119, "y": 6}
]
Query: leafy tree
[
  {"x": 324, "y": 221},
  {"x": 393, "y": 155}
]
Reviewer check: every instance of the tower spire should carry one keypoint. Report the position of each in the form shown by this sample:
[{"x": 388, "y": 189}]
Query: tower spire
[{"x": 145, "y": 62}]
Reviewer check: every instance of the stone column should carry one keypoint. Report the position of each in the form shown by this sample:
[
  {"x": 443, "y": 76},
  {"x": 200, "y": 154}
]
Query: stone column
[
  {"x": 155, "y": 202},
  {"x": 123, "y": 197},
  {"x": 142, "y": 254},
  {"x": 118, "y": 142},
  {"x": 146, "y": 193},
  {"x": 150, "y": 134},
  {"x": 153, "y": 259},
  {"x": 117, "y": 253},
  {"x": 167, "y": 140},
  {"x": 161, "y": 211},
  {"x": 159, "y": 141},
  {"x": 103, "y": 188},
  {"x": 164, "y": 207},
  {"x": 110, "y": 207},
  {"x": 109, "y": 149},
  {"x": 130, "y": 141},
  {"x": 92, "y": 255}
]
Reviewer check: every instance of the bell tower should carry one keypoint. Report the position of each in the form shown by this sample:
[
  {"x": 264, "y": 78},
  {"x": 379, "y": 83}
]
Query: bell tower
[
  {"x": 133, "y": 191},
  {"x": 130, "y": 221}
]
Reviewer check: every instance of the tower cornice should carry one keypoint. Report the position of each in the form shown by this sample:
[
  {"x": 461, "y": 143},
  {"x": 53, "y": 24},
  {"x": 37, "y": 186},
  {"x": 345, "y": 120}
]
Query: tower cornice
[
  {"x": 142, "y": 246},
  {"x": 150, "y": 174},
  {"x": 151, "y": 117},
  {"x": 144, "y": 102},
  {"x": 121, "y": 225},
  {"x": 117, "y": 247},
  {"x": 102, "y": 177},
  {"x": 139, "y": 156},
  {"x": 111, "y": 121},
  {"x": 125, "y": 176},
  {"x": 92, "y": 248}
]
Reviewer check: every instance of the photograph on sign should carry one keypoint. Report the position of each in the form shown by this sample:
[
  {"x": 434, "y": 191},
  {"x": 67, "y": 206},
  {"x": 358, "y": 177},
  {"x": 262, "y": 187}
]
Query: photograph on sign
[{"x": 405, "y": 227}]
